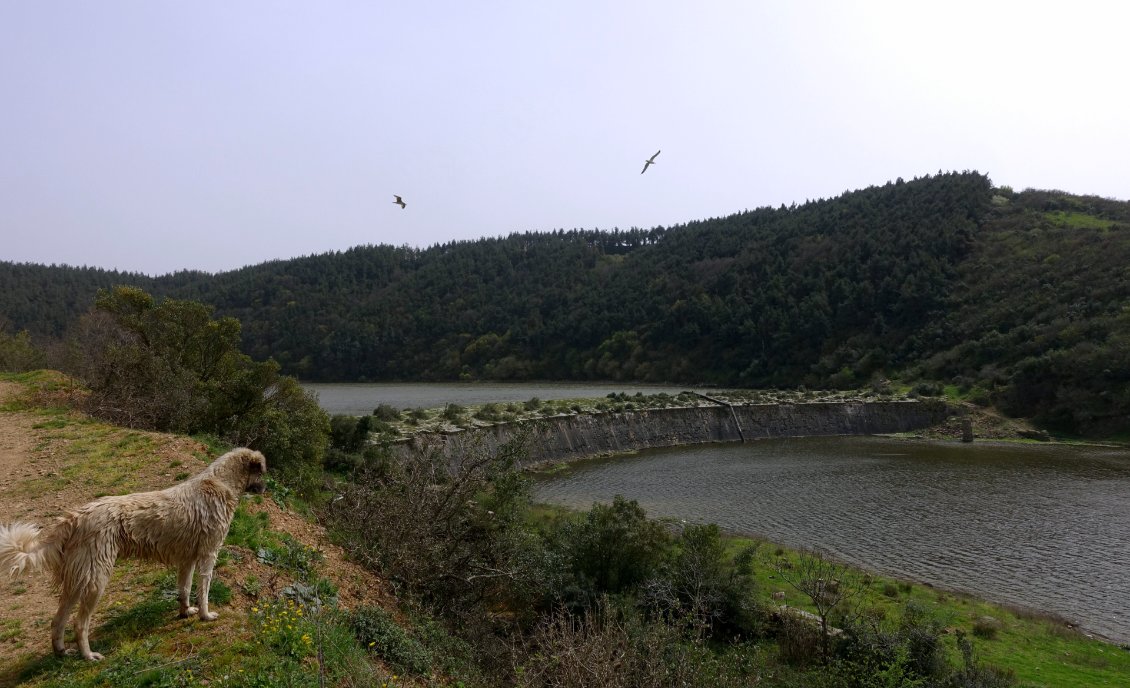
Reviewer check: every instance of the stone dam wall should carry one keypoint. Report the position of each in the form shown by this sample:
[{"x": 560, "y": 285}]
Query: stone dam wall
[{"x": 568, "y": 438}]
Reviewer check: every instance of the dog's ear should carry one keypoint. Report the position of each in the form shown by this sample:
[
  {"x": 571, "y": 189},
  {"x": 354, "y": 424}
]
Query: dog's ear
[{"x": 256, "y": 464}]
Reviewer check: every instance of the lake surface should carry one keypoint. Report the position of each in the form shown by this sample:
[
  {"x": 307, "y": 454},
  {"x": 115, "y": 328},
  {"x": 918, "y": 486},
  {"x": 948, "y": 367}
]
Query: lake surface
[
  {"x": 357, "y": 399},
  {"x": 1039, "y": 526}
]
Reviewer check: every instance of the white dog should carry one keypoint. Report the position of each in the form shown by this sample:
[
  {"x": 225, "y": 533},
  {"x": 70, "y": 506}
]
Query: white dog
[{"x": 183, "y": 526}]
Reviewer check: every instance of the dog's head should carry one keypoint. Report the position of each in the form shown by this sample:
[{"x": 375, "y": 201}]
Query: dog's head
[{"x": 255, "y": 468}]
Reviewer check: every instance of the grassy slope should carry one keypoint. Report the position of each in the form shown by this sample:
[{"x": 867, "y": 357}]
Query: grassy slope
[
  {"x": 1043, "y": 651},
  {"x": 74, "y": 459}
]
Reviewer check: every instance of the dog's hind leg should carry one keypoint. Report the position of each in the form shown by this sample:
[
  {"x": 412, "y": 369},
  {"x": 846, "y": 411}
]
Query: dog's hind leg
[
  {"x": 184, "y": 587},
  {"x": 68, "y": 598},
  {"x": 86, "y": 607},
  {"x": 206, "y": 565}
]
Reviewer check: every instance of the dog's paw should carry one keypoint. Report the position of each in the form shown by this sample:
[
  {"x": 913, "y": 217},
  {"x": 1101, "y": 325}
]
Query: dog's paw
[
  {"x": 210, "y": 616},
  {"x": 95, "y": 657},
  {"x": 187, "y": 612}
]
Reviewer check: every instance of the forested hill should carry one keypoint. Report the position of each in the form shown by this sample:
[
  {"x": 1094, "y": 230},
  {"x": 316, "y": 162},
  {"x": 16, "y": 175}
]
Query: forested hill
[{"x": 1020, "y": 295}]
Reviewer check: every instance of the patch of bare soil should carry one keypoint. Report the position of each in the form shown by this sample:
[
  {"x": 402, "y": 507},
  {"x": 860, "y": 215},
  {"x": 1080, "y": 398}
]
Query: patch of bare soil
[{"x": 29, "y": 451}]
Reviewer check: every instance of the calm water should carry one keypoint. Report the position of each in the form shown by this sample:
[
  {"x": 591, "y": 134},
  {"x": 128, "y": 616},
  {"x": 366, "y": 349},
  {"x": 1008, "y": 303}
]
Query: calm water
[
  {"x": 361, "y": 398},
  {"x": 1042, "y": 527}
]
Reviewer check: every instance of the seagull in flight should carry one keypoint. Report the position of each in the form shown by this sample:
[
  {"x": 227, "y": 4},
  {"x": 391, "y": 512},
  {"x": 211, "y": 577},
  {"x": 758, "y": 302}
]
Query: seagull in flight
[
  {"x": 649, "y": 161},
  {"x": 399, "y": 201}
]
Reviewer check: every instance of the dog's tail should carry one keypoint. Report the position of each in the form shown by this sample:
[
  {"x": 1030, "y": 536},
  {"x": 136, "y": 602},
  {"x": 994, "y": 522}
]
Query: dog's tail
[{"x": 23, "y": 549}]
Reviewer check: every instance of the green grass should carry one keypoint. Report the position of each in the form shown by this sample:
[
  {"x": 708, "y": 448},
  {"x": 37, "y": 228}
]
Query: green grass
[
  {"x": 1040, "y": 649},
  {"x": 119, "y": 455},
  {"x": 1076, "y": 220}
]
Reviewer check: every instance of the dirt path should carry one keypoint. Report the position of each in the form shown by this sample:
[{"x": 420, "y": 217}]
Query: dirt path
[
  {"x": 25, "y": 604},
  {"x": 16, "y": 442}
]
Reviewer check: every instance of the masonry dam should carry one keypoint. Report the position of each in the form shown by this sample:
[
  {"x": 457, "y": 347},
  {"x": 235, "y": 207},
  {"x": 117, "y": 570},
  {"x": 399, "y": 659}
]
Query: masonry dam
[{"x": 567, "y": 438}]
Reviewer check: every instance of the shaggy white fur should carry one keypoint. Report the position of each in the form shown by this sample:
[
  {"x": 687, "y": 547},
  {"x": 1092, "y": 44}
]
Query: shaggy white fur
[{"x": 183, "y": 526}]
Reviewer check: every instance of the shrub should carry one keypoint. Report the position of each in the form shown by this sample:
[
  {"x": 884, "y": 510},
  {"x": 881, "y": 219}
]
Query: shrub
[
  {"x": 986, "y": 627},
  {"x": 613, "y": 647},
  {"x": 446, "y": 529},
  {"x": 980, "y": 396},
  {"x": 18, "y": 354},
  {"x": 798, "y": 640},
  {"x": 341, "y": 461},
  {"x": 928, "y": 389},
  {"x": 169, "y": 366},
  {"x": 700, "y": 587},
  {"x": 973, "y": 674},
  {"x": 386, "y": 413},
  {"x": 488, "y": 412},
  {"x": 376, "y": 630},
  {"x": 350, "y": 433},
  {"x": 614, "y": 548}
]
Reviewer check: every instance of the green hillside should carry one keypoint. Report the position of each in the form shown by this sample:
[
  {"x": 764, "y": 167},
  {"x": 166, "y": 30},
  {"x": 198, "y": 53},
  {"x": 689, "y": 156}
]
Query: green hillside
[{"x": 1014, "y": 298}]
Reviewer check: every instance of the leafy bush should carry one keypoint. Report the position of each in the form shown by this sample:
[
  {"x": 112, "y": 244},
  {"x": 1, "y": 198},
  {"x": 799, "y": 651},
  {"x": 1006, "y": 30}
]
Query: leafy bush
[
  {"x": 169, "y": 366},
  {"x": 613, "y": 549},
  {"x": 18, "y": 354},
  {"x": 986, "y": 627},
  {"x": 376, "y": 630},
  {"x": 446, "y": 529},
  {"x": 928, "y": 389},
  {"x": 974, "y": 674},
  {"x": 489, "y": 412},
  {"x": 386, "y": 413},
  {"x": 700, "y": 587},
  {"x": 453, "y": 412},
  {"x": 350, "y": 433}
]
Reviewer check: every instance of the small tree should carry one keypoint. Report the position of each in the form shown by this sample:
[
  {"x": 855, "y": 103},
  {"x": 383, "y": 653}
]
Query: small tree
[
  {"x": 170, "y": 366},
  {"x": 444, "y": 527},
  {"x": 18, "y": 354},
  {"x": 615, "y": 548},
  {"x": 701, "y": 586},
  {"x": 831, "y": 587}
]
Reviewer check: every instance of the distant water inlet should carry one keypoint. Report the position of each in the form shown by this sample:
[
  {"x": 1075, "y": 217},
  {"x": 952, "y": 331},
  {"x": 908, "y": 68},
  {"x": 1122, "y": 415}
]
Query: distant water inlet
[
  {"x": 360, "y": 398},
  {"x": 1043, "y": 527}
]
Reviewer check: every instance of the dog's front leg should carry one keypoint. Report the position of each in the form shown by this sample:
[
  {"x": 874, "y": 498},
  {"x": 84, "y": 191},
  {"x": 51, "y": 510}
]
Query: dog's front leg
[
  {"x": 206, "y": 566},
  {"x": 184, "y": 587}
]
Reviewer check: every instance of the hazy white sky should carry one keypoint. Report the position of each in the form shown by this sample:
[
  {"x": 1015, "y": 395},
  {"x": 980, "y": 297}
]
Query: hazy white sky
[{"x": 157, "y": 136}]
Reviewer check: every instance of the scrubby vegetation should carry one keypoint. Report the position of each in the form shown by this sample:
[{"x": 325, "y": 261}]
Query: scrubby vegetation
[
  {"x": 493, "y": 591},
  {"x": 609, "y": 597},
  {"x": 169, "y": 365}
]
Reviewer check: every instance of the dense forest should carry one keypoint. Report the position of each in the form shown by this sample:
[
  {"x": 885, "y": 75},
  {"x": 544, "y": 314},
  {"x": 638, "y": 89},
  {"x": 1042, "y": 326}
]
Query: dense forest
[{"x": 1021, "y": 299}]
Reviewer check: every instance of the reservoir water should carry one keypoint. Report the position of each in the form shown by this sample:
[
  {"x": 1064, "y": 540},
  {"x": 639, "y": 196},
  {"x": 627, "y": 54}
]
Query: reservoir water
[
  {"x": 357, "y": 399},
  {"x": 1038, "y": 526}
]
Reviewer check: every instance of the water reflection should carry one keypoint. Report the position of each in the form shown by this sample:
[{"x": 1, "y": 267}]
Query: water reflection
[{"x": 1034, "y": 525}]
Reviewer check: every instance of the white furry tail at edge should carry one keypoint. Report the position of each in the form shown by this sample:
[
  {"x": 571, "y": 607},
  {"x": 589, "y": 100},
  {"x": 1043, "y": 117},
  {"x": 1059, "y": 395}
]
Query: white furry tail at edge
[{"x": 20, "y": 549}]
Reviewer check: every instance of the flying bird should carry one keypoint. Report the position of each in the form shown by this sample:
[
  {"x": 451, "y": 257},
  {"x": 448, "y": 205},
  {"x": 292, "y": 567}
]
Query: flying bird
[
  {"x": 399, "y": 201},
  {"x": 649, "y": 161}
]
